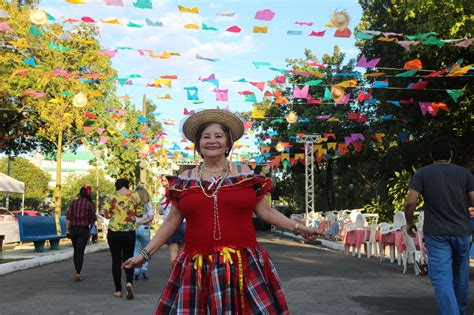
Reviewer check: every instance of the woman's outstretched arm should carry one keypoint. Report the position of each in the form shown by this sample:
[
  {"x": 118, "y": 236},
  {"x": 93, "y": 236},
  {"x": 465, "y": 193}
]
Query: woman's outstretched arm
[{"x": 169, "y": 226}]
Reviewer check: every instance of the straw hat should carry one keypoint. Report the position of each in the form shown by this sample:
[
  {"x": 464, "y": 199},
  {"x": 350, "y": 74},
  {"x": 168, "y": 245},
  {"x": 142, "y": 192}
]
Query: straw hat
[
  {"x": 38, "y": 17},
  {"x": 340, "y": 19},
  {"x": 220, "y": 116},
  {"x": 337, "y": 93}
]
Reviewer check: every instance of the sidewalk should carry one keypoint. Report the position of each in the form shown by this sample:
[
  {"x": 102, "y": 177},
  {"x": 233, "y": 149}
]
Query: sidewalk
[{"x": 30, "y": 258}]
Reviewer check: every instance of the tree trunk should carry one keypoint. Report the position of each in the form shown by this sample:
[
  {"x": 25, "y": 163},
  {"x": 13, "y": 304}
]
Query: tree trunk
[
  {"x": 329, "y": 185},
  {"x": 57, "y": 192}
]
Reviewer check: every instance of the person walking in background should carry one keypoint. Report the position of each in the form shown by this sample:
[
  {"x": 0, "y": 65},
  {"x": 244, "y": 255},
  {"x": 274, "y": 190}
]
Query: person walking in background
[
  {"x": 80, "y": 217},
  {"x": 143, "y": 229},
  {"x": 222, "y": 269},
  {"x": 122, "y": 208},
  {"x": 445, "y": 188}
]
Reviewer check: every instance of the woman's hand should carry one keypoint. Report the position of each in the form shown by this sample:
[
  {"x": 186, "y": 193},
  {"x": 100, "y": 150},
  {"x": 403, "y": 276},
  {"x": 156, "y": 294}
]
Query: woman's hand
[
  {"x": 309, "y": 233},
  {"x": 133, "y": 262}
]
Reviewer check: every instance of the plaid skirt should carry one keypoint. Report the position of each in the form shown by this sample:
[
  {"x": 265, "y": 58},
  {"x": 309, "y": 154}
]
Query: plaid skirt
[{"x": 227, "y": 282}]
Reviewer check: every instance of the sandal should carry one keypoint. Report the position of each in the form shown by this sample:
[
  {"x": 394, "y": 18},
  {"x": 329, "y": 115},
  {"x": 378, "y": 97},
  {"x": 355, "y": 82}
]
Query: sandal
[
  {"x": 118, "y": 294},
  {"x": 130, "y": 293},
  {"x": 78, "y": 277}
]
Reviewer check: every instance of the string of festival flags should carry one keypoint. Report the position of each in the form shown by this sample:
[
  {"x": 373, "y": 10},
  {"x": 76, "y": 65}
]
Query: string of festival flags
[{"x": 335, "y": 95}]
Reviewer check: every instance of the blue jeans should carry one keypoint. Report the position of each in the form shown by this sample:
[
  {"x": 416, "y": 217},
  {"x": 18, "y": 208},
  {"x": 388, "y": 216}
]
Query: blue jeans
[
  {"x": 448, "y": 266},
  {"x": 142, "y": 240}
]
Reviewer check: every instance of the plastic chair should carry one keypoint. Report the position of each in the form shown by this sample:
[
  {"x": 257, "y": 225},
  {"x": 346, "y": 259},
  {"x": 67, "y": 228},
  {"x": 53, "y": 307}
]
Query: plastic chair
[
  {"x": 371, "y": 242},
  {"x": 399, "y": 220},
  {"x": 385, "y": 228},
  {"x": 411, "y": 250}
]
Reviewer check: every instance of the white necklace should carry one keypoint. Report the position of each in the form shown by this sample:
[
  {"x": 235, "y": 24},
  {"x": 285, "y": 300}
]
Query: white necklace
[{"x": 216, "y": 233}]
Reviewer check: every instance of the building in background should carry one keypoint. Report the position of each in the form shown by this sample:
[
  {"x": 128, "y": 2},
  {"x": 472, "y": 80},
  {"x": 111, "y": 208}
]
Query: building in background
[{"x": 73, "y": 163}]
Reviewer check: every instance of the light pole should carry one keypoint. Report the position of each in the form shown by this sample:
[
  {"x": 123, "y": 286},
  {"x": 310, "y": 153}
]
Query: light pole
[{"x": 97, "y": 154}]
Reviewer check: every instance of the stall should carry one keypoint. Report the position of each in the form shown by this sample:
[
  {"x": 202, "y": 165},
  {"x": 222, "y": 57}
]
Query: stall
[{"x": 9, "y": 185}]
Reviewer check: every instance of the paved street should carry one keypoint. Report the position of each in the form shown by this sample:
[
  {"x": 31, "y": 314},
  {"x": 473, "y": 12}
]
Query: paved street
[{"x": 316, "y": 281}]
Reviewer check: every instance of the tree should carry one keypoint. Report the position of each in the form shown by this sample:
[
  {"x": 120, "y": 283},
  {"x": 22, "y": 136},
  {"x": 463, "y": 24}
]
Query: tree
[
  {"x": 40, "y": 95},
  {"x": 75, "y": 182},
  {"x": 449, "y": 20},
  {"x": 35, "y": 179},
  {"x": 286, "y": 132}
]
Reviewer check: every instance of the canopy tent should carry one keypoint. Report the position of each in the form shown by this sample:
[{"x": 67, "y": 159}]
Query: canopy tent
[{"x": 10, "y": 185}]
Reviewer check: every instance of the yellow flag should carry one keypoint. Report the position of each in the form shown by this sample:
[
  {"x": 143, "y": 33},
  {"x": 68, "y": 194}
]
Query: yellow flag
[
  {"x": 348, "y": 83},
  {"x": 260, "y": 29},
  {"x": 160, "y": 82},
  {"x": 76, "y": 1},
  {"x": 317, "y": 74},
  {"x": 111, "y": 21},
  {"x": 332, "y": 145},
  {"x": 456, "y": 71},
  {"x": 386, "y": 39},
  {"x": 192, "y": 26},
  {"x": 375, "y": 74},
  {"x": 188, "y": 10}
]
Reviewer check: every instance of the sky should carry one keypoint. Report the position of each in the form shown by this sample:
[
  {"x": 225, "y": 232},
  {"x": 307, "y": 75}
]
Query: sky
[{"x": 235, "y": 51}]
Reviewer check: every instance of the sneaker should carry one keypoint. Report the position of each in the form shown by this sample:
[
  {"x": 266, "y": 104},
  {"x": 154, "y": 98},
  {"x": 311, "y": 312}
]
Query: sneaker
[{"x": 145, "y": 276}]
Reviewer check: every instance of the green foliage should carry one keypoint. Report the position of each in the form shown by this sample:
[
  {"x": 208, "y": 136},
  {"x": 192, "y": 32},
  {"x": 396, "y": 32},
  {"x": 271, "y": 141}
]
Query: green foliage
[
  {"x": 75, "y": 182},
  {"x": 30, "y": 122},
  {"x": 382, "y": 207},
  {"x": 450, "y": 19},
  {"x": 398, "y": 190},
  {"x": 35, "y": 179}
]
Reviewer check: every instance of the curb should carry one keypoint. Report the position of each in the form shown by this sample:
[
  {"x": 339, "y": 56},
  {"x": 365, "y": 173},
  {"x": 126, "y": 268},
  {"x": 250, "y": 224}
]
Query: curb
[
  {"x": 325, "y": 243},
  {"x": 46, "y": 259}
]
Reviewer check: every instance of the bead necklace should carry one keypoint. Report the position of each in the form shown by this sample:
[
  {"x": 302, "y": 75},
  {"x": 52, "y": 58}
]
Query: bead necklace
[{"x": 216, "y": 233}]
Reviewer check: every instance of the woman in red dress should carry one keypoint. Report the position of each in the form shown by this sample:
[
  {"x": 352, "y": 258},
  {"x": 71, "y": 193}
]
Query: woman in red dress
[{"x": 222, "y": 269}]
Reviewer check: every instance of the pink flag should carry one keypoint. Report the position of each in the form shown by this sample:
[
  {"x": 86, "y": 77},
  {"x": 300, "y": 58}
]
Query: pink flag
[
  {"x": 465, "y": 43},
  {"x": 111, "y": 53},
  {"x": 347, "y": 141},
  {"x": 406, "y": 43},
  {"x": 357, "y": 145},
  {"x": 100, "y": 130},
  {"x": 425, "y": 107},
  {"x": 363, "y": 63},
  {"x": 4, "y": 27},
  {"x": 264, "y": 15},
  {"x": 221, "y": 95},
  {"x": 87, "y": 19},
  {"x": 345, "y": 99},
  {"x": 420, "y": 85},
  {"x": 279, "y": 80},
  {"x": 259, "y": 85},
  {"x": 103, "y": 140},
  {"x": 318, "y": 34},
  {"x": 305, "y": 23},
  {"x": 234, "y": 29},
  {"x": 357, "y": 136},
  {"x": 114, "y": 2},
  {"x": 300, "y": 93}
]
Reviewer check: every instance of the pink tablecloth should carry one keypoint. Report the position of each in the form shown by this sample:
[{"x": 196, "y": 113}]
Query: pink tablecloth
[
  {"x": 355, "y": 238},
  {"x": 395, "y": 238}
]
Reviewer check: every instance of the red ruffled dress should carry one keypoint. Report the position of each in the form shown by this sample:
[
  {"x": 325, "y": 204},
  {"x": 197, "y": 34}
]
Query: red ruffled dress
[{"x": 231, "y": 275}]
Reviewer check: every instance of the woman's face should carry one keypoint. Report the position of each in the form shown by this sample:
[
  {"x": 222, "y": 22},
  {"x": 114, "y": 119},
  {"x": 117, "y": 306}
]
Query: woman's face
[{"x": 213, "y": 142}]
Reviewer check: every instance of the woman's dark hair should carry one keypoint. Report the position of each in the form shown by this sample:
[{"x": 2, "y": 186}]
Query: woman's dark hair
[
  {"x": 121, "y": 183},
  {"x": 224, "y": 128},
  {"x": 441, "y": 149},
  {"x": 83, "y": 193}
]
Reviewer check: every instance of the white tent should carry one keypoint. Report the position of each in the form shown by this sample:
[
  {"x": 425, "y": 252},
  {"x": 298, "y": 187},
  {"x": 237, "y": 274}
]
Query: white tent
[
  {"x": 10, "y": 228},
  {"x": 10, "y": 185}
]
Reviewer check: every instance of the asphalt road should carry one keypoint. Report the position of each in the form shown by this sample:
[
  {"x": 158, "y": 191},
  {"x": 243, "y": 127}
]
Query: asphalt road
[{"x": 316, "y": 281}]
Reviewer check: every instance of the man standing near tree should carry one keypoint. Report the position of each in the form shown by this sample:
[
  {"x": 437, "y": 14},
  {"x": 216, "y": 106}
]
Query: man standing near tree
[{"x": 445, "y": 188}]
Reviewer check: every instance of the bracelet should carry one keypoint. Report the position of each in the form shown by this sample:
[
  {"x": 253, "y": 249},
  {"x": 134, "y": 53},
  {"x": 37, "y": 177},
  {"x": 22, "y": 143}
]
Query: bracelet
[
  {"x": 146, "y": 255},
  {"x": 296, "y": 228}
]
